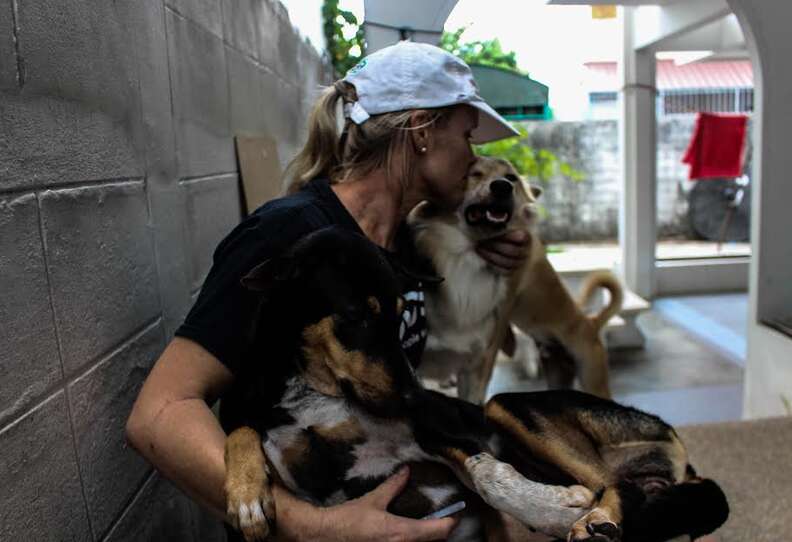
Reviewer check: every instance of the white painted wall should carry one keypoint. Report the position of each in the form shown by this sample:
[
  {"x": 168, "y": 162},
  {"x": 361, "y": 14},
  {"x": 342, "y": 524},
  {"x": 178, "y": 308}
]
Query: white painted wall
[{"x": 769, "y": 364}]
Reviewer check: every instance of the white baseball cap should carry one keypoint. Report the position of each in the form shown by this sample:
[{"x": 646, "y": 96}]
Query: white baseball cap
[{"x": 411, "y": 75}]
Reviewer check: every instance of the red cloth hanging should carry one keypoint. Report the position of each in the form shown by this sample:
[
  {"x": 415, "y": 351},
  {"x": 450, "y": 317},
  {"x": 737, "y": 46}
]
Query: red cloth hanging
[{"x": 716, "y": 149}]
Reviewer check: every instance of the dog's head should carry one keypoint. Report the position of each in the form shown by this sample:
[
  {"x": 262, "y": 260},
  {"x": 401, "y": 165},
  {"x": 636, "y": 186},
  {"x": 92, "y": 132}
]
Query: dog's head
[
  {"x": 497, "y": 199},
  {"x": 337, "y": 288}
]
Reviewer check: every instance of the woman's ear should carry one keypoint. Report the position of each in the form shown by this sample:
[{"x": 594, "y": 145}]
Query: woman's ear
[{"x": 420, "y": 130}]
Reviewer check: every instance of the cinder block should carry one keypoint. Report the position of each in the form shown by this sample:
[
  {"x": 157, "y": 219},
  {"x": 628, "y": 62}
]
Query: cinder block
[
  {"x": 206, "y": 13},
  {"x": 213, "y": 209},
  {"x": 167, "y": 200},
  {"x": 199, "y": 79},
  {"x": 159, "y": 512},
  {"x": 147, "y": 21},
  {"x": 73, "y": 119},
  {"x": 274, "y": 36},
  {"x": 168, "y": 216},
  {"x": 288, "y": 47},
  {"x": 8, "y": 56},
  {"x": 101, "y": 400},
  {"x": 311, "y": 77},
  {"x": 29, "y": 361},
  {"x": 40, "y": 495},
  {"x": 251, "y": 113},
  {"x": 101, "y": 267},
  {"x": 241, "y": 27}
]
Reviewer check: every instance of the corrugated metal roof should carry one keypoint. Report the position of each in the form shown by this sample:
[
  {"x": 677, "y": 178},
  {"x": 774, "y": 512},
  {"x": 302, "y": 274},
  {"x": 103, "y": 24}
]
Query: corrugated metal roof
[{"x": 712, "y": 74}]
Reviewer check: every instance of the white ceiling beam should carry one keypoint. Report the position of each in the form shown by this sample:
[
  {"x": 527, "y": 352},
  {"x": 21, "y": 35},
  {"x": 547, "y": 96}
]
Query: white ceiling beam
[
  {"x": 722, "y": 36},
  {"x": 385, "y": 23},
  {"x": 657, "y": 25}
]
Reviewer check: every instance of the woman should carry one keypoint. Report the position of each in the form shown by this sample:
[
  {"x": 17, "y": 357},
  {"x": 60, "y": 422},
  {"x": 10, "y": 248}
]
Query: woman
[{"x": 395, "y": 131}]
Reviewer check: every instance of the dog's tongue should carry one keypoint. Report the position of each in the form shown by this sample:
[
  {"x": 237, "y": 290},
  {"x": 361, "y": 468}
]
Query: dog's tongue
[{"x": 497, "y": 216}]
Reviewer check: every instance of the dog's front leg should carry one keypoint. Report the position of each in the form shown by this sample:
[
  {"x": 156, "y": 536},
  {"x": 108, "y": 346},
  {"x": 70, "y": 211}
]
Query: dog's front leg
[{"x": 249, "y": 501}]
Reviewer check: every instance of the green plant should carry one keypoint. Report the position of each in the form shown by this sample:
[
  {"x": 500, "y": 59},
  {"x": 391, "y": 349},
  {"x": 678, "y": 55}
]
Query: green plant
[
  {"x": 787, "y": 404},
  {"x": 487, "y": 52},
  {"x": 344, "y": 36},
  {"x": 539, "y": 164}
]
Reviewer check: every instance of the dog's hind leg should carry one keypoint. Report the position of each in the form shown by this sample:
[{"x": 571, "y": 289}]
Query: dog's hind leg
[
  {"x": 561, "y": 443},
  {"x": 455, "y": 434},
  {"x": 249, "y": 500},
  {"x": 591, "y": 359}
]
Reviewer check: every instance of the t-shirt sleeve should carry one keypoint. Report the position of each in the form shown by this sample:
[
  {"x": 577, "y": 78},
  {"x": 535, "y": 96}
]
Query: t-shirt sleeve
[{"x": 222, "y": 317}]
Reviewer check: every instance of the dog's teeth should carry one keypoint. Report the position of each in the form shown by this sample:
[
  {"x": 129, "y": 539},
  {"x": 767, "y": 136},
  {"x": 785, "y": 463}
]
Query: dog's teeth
[{"x": 500, "y": 217}]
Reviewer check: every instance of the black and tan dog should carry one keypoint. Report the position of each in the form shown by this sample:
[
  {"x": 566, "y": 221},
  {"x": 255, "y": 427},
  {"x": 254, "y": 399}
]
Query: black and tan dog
[{"x": 334, "y": 407}]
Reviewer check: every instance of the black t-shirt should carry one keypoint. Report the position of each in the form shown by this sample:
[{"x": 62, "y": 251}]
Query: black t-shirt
[{"x": 221, "y": 318}]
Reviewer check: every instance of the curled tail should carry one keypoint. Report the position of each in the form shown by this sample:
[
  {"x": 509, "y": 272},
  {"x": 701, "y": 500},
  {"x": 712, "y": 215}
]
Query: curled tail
[
  {"x": 602, "y": 279},
  {"x": 694, "y": 508}
]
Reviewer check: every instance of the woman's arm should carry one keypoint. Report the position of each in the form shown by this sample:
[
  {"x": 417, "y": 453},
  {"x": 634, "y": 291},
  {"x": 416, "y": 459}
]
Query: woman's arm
[{"x": 172, "y": 426}]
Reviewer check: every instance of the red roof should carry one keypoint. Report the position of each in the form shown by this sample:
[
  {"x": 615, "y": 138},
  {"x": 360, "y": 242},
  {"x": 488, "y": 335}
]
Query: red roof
[{"x": 712, "y": 74}]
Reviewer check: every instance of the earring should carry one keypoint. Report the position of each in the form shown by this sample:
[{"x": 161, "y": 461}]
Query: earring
[{"x": 422, "y": 150}]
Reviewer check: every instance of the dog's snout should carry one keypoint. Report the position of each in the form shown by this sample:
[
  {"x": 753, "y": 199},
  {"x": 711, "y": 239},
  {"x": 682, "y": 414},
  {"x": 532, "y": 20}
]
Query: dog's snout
[{"x": 501, "y": 188}]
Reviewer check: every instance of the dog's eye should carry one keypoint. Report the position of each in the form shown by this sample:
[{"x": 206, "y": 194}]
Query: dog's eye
[
  {"x": 511, "y": 177},
  {"x": 353, "y": 315},
  {"x": 476, "y": 174}
]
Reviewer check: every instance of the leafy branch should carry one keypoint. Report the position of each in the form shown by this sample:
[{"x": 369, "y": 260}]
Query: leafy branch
[
  {"x": 344, "y": 36},
  {"x": 487, "y": 53},
  {"x": 538, "y": 164}
]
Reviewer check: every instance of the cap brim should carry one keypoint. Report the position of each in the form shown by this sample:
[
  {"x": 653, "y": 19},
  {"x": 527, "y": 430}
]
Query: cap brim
[{"x": 491, "y": 125}]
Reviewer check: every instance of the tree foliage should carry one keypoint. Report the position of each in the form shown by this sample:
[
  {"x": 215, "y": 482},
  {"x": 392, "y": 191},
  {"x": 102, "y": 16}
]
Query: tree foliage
[
  {"x": 536, "y": 164},
  {"x": 344, "y": 36},
  {"x": 487, "y": 52}
]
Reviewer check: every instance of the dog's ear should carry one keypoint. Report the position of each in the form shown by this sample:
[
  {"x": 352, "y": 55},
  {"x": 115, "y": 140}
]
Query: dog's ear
[
  {"x": 536, "y": 191},
  {"x": 268, "y": 274}
]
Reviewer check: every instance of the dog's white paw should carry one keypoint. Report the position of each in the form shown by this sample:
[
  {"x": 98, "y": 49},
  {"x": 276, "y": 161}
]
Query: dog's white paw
[
  {"x": 252, "y": 512},
  {"x": 526, "y": 354}
]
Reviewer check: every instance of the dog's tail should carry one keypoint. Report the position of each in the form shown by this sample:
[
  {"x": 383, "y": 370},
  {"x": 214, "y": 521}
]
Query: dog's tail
[
  {"x": 695, "y": 508},
  {"x": 602, "y": 279}
]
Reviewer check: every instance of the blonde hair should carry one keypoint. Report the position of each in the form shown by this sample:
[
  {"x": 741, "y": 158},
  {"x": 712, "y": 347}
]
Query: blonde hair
[{"x": 380, "y": 142}]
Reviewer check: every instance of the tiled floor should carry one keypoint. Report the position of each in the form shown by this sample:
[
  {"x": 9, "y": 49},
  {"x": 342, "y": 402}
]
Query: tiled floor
[{"x": 691, "y": 370}]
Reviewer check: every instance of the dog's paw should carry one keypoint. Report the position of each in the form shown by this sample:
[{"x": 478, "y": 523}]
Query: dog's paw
[
  {"x": 595, "y": 526},
  {"x": 579, "y": 497},
  {"x": 251, "y": 509}
]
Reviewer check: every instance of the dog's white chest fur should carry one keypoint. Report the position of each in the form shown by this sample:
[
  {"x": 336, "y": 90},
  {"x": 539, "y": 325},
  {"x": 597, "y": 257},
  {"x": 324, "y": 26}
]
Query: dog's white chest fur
[
  {"x": 386, "y": 444},
  {"x": 461, "y": 311}
]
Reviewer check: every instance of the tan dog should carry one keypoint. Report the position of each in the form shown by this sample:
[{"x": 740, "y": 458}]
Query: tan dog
[{"x": 470, "y": 312}]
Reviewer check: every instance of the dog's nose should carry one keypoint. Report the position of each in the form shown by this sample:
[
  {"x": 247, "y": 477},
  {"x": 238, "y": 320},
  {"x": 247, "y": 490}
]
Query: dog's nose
[{"x": 501, "y": 188}]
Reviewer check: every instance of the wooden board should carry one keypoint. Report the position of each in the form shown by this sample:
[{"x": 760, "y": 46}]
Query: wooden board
[{"x": 260, "y": 169}]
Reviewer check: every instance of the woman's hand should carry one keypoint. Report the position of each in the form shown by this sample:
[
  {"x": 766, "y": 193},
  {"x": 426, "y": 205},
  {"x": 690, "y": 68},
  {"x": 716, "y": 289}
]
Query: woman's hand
[
  {"x": 507, "y": 252},
  {"x": 362, "y": 519}
]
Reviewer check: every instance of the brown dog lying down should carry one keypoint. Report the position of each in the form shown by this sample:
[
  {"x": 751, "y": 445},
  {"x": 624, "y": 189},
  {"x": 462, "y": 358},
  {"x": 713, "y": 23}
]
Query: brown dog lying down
[
  {"x": 469, "y": 313},
  {"x": 344, "y": 410}
]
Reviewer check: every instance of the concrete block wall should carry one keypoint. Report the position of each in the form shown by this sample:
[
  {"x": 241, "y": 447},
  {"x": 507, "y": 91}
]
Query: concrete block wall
[
  {"x": 117, "y": 179},
  {"x": 589, "y": 209}
]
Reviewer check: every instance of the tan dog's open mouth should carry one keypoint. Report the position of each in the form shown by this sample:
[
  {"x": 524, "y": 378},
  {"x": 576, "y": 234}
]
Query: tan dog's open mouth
[
  {"x": 495, "y": 209},
  {"x": 495, "y": 215}
]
